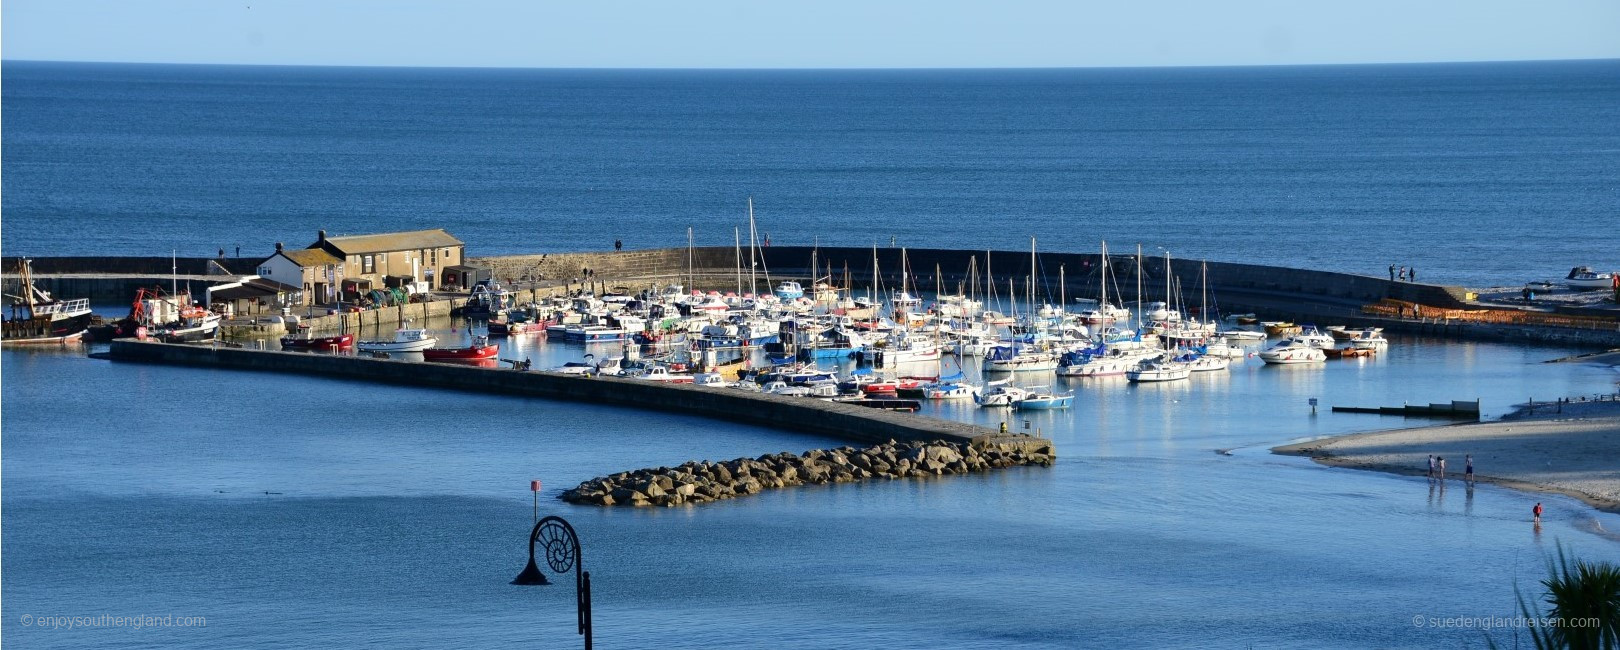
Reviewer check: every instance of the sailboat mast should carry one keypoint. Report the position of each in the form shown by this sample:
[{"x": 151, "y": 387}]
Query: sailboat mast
[
  {"x": 736, "y": 234},
  {"x": 1104, "y": 276},
  {"x": 1031, "y": 277},
  {"x": 753, "y": 245},
  {"x": 690, "y": 277},
  {"x": 1139, "y": 314},
  {"x": 1063, "y": 288}
]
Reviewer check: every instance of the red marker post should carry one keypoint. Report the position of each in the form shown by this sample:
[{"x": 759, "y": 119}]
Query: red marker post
[{"x": 534, "y": 486}]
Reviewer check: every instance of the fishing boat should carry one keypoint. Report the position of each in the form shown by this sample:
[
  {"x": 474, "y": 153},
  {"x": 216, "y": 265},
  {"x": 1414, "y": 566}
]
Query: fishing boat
[
  {"x": 479, "y": 349},
  {"x": 338, "y": 342},
  {"x": 37, "y": 318},
  {"x": 405, "y": 340},
  {"x": 195, "y": 324},
  {"x": 1039, "y": 398},
  {"x": 1292, "y": 350}
]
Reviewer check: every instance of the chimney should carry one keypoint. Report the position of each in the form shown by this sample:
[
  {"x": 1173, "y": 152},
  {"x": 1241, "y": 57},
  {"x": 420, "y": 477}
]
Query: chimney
[
  {"x": 278, "y": 247},
  {"x": 322, "y": 238}
]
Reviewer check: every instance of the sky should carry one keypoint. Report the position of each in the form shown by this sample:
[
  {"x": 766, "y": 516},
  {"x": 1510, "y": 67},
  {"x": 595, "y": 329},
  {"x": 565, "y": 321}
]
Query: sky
[{"x": 806, "y": 34}]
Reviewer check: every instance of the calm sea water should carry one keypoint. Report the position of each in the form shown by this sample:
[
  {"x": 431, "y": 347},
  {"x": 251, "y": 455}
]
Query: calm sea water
[
  {"x": 1474, "y": 173},
  {"x": 293, "y": 512}
]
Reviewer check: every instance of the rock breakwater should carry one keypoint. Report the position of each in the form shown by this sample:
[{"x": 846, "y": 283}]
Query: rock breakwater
[{"x": 704, "y": 481}]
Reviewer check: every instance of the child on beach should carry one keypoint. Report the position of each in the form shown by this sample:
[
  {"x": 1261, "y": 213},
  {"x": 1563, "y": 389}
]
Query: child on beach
[
  {"x": 1468, "y": 468},
  {"x": 1537, "y": 512},
  {"x": 1431, "y": 466}
]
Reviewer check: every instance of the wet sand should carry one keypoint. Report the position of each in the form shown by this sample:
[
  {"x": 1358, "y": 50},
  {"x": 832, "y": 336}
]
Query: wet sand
[{"x": 1575, "y": 452}]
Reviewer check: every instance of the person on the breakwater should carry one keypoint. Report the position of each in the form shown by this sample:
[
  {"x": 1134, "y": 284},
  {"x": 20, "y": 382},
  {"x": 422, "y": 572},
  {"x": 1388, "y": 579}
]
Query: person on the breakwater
[
  {"x": 1411, "y": 274},
  {"x": 1392, "y": 273},
  {"x": 618, "y": 245},
  {"x": 1400, "y": 274}
]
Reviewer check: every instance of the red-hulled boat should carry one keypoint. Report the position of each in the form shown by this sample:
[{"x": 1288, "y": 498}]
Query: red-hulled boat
[
  {"x": 339, "y": 342},
  {"x": 480, "y": 349}
]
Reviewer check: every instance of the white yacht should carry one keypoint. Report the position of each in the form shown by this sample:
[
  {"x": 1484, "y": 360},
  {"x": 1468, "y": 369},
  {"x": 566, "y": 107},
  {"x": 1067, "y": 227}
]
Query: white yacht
[
  {"x": 1292, "y": 350},
  {"x": 1159, "y": 370}
]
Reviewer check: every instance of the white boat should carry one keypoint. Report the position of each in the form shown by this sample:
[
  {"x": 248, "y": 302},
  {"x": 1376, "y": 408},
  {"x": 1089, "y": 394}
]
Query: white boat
[
  {"x": 1292, "y": 350},
  {"x": 405, "y": 340},
  {"x": 789, "y": 290},
  {"x": 1583, "y": 278},
  {"x": 1245, "y": 336},
  {"x": 999, "y": 393},
  {"x": 950, "y": 390},
  {"x": 1209, "y": 363},
  {"x": 1315, "y": 337},
  {"x": 1369, "y": 339},
  {"x": 710, "y": 380},
  {"x": 1015, "y": 358},
  {"x": 1154, "y": 371},
  {"x": 1112, "y": 362}
]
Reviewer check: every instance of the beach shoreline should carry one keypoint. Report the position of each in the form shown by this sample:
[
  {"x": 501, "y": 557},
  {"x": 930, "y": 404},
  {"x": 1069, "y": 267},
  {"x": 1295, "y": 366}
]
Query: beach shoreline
[{"x": 1572, "y": 450}]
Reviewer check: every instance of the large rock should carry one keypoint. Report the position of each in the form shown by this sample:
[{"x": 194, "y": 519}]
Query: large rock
[{"x": 686, "y": 489}]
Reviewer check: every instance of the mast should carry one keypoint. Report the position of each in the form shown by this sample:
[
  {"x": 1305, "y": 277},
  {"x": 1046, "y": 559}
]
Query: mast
[
  {"x": 1139, "y": 288},
  {"x": 736, "y": 234},
  {"x": 753, "y": 239},
  {"x": 690, "y": 281},
  {"x": 1103, "y": 315},
  {"x": 1203, "y": 299},
  {"x": 1168, "y": 304},
  {"x": 990, "y": 279},
  {"x": 1031, "y": 286},
  {"x": 1063, "y": 288},
  {"x": 174, "y": 274}
]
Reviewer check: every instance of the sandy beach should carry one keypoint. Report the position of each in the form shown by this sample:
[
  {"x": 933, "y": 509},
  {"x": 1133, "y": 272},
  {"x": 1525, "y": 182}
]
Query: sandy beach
[{"x": 1575, "y": 452}]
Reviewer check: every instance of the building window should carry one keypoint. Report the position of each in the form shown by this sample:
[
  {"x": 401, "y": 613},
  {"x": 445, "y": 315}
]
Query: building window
[
  {"x": 433, "y": 257},
  {"x": 264, "y": 270},
  {"x": 367, "y": 265}
]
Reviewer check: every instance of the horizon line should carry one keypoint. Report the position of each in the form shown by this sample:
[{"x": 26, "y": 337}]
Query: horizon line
[{"x": 812, "y": 68}]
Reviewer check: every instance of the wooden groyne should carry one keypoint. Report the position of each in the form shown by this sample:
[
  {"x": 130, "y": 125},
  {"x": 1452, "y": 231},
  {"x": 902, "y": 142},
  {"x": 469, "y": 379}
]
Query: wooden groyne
[
  {"x": 806, "y": 415},
  {"x": 1456, "y": 410}
]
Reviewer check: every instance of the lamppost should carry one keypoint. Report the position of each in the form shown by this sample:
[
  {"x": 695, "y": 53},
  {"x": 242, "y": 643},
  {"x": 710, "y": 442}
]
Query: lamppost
[{"x": 562, "y": 554}]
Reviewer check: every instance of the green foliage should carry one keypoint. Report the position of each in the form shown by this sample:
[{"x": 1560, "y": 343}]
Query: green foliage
[{"x": 1578, "y": 592}]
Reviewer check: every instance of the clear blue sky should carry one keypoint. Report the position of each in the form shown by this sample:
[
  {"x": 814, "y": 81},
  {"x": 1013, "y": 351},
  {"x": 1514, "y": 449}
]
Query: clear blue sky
[{"x": 821, "y": 33}]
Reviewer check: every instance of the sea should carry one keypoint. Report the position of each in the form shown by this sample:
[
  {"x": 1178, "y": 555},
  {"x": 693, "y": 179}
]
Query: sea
[{"x": 241, "y": 509}]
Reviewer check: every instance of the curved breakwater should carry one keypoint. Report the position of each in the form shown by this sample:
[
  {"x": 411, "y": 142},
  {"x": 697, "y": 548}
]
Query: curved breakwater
[{"x": 843, "y": 421}]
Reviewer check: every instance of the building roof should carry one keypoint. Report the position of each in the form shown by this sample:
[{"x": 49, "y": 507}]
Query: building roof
[
  {"x": 248, "y": 289},
  {"x": 309, "y": 257},
  {"x": 389, "y": 241}
]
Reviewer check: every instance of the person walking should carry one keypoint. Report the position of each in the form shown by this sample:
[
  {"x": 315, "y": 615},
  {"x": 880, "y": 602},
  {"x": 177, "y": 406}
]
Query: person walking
[
  {"x": 1411, "y": 274},
  {"x": 1431, "y": 466},
  {"x": 1537, "y": 512},
  {"x": 618, "y": 245},
  {"x": 1468, "y": 468},
  {"x": 1392, "y": 273},
  {"x": 1401, "y": 274},
  {"x": 1440, "y": 467}
]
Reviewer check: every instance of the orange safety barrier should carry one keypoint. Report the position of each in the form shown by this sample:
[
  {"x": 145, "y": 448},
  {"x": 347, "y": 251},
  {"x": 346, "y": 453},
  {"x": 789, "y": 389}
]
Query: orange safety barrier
[{"x": 1403, "y": 309}]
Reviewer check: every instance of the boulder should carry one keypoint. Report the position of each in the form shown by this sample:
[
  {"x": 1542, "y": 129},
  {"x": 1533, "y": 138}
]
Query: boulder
[{"x": 686, "y": 489}]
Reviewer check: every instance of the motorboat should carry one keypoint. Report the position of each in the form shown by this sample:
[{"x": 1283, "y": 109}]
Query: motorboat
[
  {"x": 710, "y": 380},
  {"x": 662, "y": 375},
  {"x": 950, "y": 390},
  {"x": 479, "y": 349},
  {"x": 789, "y": 290},
  {"x": 1369, "y": 339},
  {"x": 999, "y": 393},
  {"x": 405, "y": 340},
  {"x": 1583, "y": 278},
  {"x": 1159, "y": 370},
  {"x": 1039, "y": 398},
  {"x": 1244, "y": 336},
  {"x": 1292, "y": 350},
  {"x": 1315, "y": 337}
]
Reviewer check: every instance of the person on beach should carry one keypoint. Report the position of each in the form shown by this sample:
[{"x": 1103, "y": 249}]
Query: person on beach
[
  {"x": 1431, "y": 466},
  {"x": 1537, "y": 512},
  {"x": 1440, "y": 466},
  {"x": 1468, "y": 468}
]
